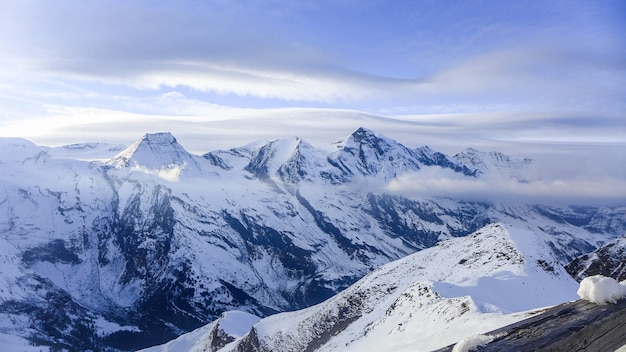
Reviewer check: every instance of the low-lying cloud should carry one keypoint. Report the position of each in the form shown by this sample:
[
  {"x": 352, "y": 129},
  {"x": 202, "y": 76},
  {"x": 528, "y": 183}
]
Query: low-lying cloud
[{"x": 576, "y": 189}]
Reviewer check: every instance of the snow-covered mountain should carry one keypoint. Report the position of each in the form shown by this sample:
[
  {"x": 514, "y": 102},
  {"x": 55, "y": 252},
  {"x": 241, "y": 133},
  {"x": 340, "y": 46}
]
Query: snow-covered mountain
[
  {"x": 160, "y": 153},
  {"x": 155, "y": 241},
  {"x": 428, "y": 300},
  {"x": 486, "y": 162}
]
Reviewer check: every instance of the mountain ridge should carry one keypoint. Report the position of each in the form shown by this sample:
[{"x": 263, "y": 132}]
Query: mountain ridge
[
  {"x": 135, "y": 254},
  {"x": 393, "y": 307}
]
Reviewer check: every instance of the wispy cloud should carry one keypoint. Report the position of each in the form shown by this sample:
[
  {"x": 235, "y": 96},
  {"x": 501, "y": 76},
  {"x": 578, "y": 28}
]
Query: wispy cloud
[
  {"x": 532, "y": 79},
  {"x": 227, "y": 49}
]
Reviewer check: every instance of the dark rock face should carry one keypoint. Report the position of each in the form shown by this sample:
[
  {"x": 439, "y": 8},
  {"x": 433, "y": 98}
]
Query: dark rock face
[
  {"x": 609, "y": 260},
  {"x": 398, "y": 215},
  {"x": 135, "y": 228},
  {"x": 216, "y": 160},
  {"x": 54, "y": 251},
  {"x": 366, "y": 153},
  {"x": 430, "y": 157}
]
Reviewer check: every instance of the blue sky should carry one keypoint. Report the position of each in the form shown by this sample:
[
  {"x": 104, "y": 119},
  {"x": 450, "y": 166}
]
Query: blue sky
[
  {"x": 539, "y": 79},
  {"x": 532, "y": 72}
]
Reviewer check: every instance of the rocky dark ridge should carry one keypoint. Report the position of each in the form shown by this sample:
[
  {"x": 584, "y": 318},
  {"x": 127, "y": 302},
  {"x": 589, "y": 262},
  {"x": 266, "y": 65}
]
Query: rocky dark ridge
[{"x": 608, "y": 260}]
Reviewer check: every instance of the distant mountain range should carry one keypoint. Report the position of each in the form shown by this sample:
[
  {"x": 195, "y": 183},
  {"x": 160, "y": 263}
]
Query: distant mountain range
[{"x": 105, "y": 248}]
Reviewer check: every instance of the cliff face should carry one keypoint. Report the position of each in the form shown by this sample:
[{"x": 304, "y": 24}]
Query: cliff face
[{"x": 608, "y": 260}]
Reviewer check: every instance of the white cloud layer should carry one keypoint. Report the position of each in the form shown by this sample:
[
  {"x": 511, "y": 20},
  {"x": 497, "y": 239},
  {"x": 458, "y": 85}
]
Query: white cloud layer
[{"x": 573, "y": 189}]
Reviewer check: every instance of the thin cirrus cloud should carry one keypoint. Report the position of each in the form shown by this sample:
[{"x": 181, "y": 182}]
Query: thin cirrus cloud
[
  {"x": 527, "y": 78},
  {"x": 151, "y": 47},
  {"x": 259, "y": 51}
]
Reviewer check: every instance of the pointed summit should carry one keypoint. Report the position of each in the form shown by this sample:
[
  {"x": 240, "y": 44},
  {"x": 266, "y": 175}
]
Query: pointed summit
[
  {"x": 291, "y": 159},
  {"x": 364, "y": 136},
  {"x": 154, "y": 151},
  {"x": 368, "y": 153}
]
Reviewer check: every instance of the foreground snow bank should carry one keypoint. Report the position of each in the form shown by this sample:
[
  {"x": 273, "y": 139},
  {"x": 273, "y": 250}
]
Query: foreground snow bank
[{"x": 601, "y": 289}]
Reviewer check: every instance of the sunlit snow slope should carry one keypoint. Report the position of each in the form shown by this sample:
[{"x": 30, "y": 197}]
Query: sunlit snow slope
[{"x": 430, "y": 299}]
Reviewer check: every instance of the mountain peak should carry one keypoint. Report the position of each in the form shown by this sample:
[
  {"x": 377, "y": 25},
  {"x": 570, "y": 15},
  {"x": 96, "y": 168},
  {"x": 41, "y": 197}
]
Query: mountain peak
[
  {"x": 369, "y": 153},
  {"x": 365, "y": 136},
  {"x": 429, "y": 157},
  {"x": 159, "y": 138},
  {"x": 363, "y": 132},
  {"x": 290, "y": 159},
  {"x": 19, "y": 149},
  {"x": 154, "y": 151}
]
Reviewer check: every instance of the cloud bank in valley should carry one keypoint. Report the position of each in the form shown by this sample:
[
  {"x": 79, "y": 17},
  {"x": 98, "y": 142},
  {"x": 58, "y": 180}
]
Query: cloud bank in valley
[{"x": 552, "y": 188}]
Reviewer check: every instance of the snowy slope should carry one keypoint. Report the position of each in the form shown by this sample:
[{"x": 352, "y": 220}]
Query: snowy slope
[
  {"x": 289, "y": 160},
  {"x": 89, "y": 248},
  {"x": 367, "y": 153},
  {"x": 428, "y": 300},
  {"x": 161, "y": 154},
  {"x": 491, "y": 162},
  {"x": 86, "y": 151},
  {"x": 230, "y": 326}
]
